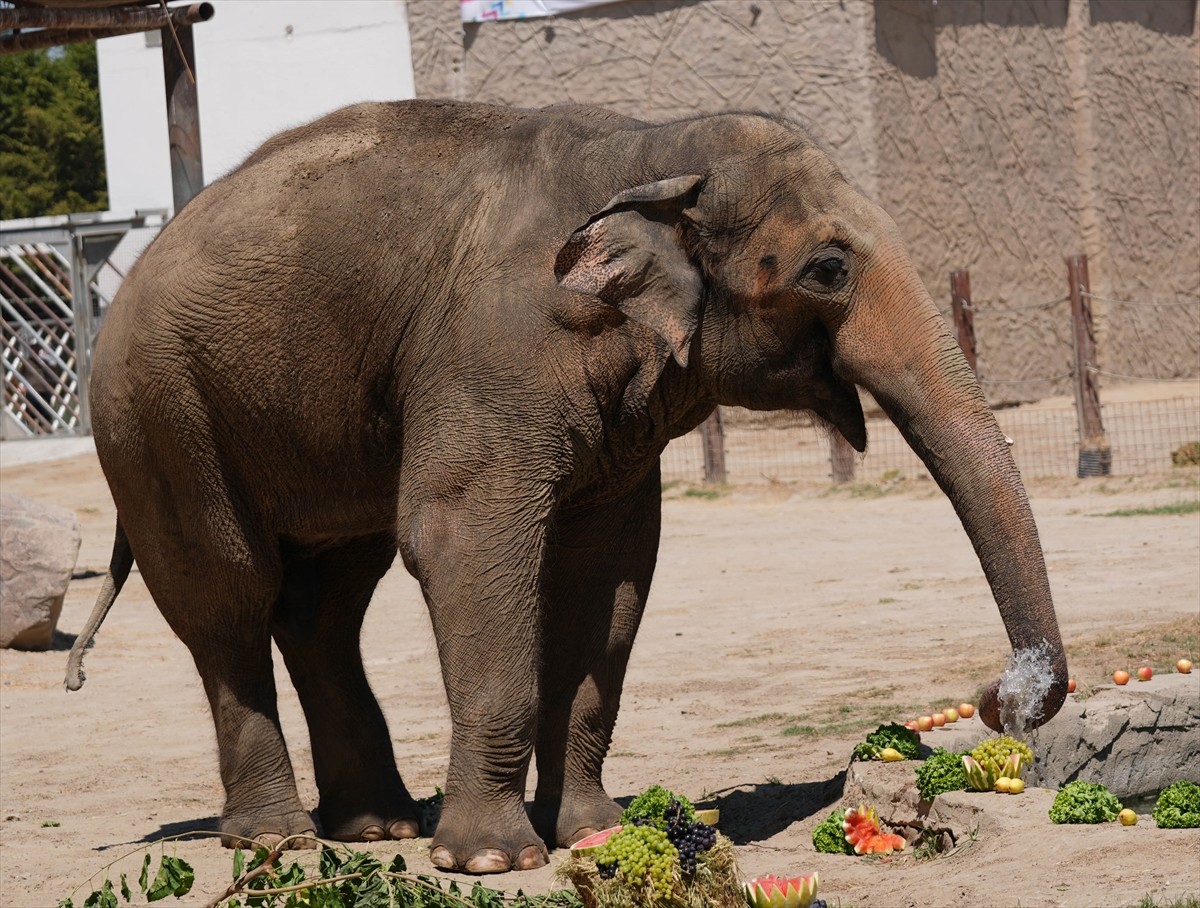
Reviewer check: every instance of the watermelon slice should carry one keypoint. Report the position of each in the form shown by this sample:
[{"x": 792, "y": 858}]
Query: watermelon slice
[
  {"x": 781, "y": 892},
  {"x": 592, "y": 843},
  {"x": 862, "y": 831}
]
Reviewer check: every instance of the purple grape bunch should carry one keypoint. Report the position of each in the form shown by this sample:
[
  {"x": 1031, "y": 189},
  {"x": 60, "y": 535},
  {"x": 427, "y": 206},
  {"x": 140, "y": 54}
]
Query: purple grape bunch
[{"x": 688, "y": 837}]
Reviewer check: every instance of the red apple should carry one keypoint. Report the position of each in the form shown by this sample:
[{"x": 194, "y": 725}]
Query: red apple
[
  {"x": 924, "y": 723},
  {"x": 1120, "y": 676},
  {"x": 1070, "y": 685},
  {"x": 966, "y": 710},
  {"x": 1184, "y": 666},
  {"x": 1145, "y": 673},
  {"x": 939, "y": 719}
]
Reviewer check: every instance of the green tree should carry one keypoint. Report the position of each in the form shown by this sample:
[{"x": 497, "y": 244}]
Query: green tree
[{"x": 51, "y": 145}]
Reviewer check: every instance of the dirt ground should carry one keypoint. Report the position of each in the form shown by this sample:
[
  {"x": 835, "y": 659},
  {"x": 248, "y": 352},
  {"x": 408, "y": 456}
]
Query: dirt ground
[{"x": 784, "y": 624}]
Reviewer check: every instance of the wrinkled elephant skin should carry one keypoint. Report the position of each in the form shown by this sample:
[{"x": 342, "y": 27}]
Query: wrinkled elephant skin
[{"x": 465, "y": 333}]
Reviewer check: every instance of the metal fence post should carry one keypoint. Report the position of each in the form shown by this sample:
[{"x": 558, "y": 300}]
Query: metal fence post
[
  {"x": 81, "y": 312},
  {"x": 1095, "y": 454},
  {"x": 964, "y": 315},
  {"x": 713, "y": 434}
]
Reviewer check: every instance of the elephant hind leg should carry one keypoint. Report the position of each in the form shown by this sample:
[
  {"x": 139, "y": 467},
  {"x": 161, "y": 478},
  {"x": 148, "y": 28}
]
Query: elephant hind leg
[
  {"x": 214, "y": 574},
  {"x": 316, "y": 624},
  {"x": 219, "y": 610}
]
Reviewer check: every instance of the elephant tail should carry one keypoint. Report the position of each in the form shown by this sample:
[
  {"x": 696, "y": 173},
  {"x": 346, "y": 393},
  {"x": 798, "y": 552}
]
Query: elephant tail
[{"x": 118, "y": 572}]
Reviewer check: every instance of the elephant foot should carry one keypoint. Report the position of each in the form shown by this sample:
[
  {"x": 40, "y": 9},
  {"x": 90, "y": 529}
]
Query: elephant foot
[
  {"x": 468, "y": 842},
  {"x": 566, "y": 822},
  {"x": 491, "y": 860},
  {"x": 396, "y": 822},
  {"x": 293, "y": 830}
]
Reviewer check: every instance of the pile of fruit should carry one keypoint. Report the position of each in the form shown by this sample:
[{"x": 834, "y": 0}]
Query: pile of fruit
[
  {"x": 998, "y": 765},
  {"x": 663, "y": 855}
]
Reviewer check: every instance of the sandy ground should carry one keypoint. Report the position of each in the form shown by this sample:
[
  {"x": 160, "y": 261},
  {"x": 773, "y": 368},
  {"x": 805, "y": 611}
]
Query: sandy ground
[{"x": 774, "y": 609}]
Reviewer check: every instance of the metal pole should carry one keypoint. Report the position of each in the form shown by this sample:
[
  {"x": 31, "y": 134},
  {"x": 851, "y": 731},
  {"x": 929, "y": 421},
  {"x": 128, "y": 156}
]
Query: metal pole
[
  {"x": 964, "y": 316},
  {"x": 1095, "y": 454},
  {"x": 81, "y": 310},
  {"x": 183, "y": 115},
  {"x": 712, "y": 431}
]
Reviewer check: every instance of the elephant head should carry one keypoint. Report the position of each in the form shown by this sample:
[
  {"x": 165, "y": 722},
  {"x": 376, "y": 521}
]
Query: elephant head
[{"x": 776, "y": 284}]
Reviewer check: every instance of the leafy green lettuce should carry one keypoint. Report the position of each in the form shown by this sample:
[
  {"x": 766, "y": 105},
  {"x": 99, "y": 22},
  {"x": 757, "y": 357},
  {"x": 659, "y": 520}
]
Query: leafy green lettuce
[
  {"x": 1178, "y": 807},
  {"x": 895, "y": 736},
  {"x": 652, "y": 803},
  {"x": 1084, "y": 802},
  {"x": 941, "y": 772},
  {"x": 830, "y": 837}
]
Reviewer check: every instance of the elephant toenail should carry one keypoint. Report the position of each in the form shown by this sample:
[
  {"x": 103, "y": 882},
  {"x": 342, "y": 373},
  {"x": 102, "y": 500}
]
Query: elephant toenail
[
  {"x": 372, "y": 833},
  {"x": 488, "y": 860},
  {"x": 531, "y": 857},
  {"x": 404, "y": 829},
  {"x": 441, "y": 858}
]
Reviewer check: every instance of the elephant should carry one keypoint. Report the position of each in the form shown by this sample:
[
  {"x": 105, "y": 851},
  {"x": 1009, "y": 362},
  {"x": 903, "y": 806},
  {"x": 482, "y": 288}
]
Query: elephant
[{"x": 466, "y": 333}]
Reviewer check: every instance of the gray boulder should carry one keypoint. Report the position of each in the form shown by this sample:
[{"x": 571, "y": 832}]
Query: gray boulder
[
  {"x": 1134, "y": 740},
  {"x": 38, "y": 547}
]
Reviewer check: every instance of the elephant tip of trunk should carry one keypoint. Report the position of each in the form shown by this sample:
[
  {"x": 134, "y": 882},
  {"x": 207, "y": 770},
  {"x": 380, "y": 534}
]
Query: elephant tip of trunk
[{"x": 991, "y": 713}]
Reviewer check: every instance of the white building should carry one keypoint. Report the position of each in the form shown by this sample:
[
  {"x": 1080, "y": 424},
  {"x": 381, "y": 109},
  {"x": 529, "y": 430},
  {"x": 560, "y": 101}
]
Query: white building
[{"x": 262, "y": 66}]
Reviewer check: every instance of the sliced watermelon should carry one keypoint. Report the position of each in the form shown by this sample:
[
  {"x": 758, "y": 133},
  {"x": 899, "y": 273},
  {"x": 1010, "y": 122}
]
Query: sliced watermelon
[
  {"x": 781, "y": 892},
  {"x": 592, "y": 843},
  {"x": 862, "y": 831}
]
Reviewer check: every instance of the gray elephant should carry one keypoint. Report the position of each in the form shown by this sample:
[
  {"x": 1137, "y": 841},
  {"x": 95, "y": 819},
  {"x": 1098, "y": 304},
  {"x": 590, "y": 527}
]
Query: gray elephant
[{"x": 466, "y": 333}]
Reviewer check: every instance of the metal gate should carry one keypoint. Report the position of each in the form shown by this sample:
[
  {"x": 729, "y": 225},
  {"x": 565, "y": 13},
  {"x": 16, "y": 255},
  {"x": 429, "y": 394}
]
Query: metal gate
[{"x": 54, "y": 291}]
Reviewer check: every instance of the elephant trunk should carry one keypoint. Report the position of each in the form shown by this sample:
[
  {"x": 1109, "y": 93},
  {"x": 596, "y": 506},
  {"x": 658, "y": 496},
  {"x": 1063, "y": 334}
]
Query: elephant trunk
[{"x": 923, "y": 382}]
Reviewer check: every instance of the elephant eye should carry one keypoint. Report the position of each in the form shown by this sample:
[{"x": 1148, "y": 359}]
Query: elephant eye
[{"x": 826, "y": 271}]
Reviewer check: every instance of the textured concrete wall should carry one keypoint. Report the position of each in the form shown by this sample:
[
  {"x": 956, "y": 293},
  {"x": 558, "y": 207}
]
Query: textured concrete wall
[{"x": 1001, "y": 135}]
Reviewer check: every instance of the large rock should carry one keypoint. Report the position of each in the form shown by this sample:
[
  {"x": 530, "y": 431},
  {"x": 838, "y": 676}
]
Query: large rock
[
  {"x": 1135, "y": 739},
  {"x": 38, "y": 547}
]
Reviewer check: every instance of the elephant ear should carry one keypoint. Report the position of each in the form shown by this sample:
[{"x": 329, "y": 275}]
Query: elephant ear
[{"x": 628, "y": 255}]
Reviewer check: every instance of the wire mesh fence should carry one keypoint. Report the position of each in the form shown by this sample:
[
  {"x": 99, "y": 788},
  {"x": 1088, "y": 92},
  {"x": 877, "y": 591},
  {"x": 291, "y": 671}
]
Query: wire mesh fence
[{"x": 791, "y": 448}]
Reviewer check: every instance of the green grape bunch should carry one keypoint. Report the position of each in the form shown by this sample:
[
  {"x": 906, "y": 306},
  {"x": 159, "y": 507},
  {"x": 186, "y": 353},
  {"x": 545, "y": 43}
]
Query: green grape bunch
[
  {"x": 993, "y": 753},
  {"x": 644, "y": 857}
]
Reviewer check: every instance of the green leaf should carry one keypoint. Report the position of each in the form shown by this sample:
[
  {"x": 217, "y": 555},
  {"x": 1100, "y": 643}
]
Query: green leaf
[
  {"x": 125, "y": 893},
  {"x": 104, "y": 897},
  {"x": 145, "y": 872},
  {"x": 175, "y": 877},
  {"x": 239, "y": 862},
  {"x": 329, "y": 864},
  {"x": 398, "y": 865},
  {"x": 65, "y": 903}
]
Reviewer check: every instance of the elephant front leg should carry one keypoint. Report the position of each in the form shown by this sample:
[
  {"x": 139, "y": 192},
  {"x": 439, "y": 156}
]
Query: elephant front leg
[
  {"x": 316, "y": 624},
  {"x": 598, "y": 577},
  {"x": 479, "y": 565}
]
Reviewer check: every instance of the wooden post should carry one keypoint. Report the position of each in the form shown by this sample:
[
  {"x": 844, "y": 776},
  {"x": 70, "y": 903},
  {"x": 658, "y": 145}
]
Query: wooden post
[
  {"x": 183, "y": 114},
  {"x": 1095, "y": 454},
  {"x": 842, "y": 457},
  {"x": 712, "y": 432},
  {"x": 964, "y": 315}
]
